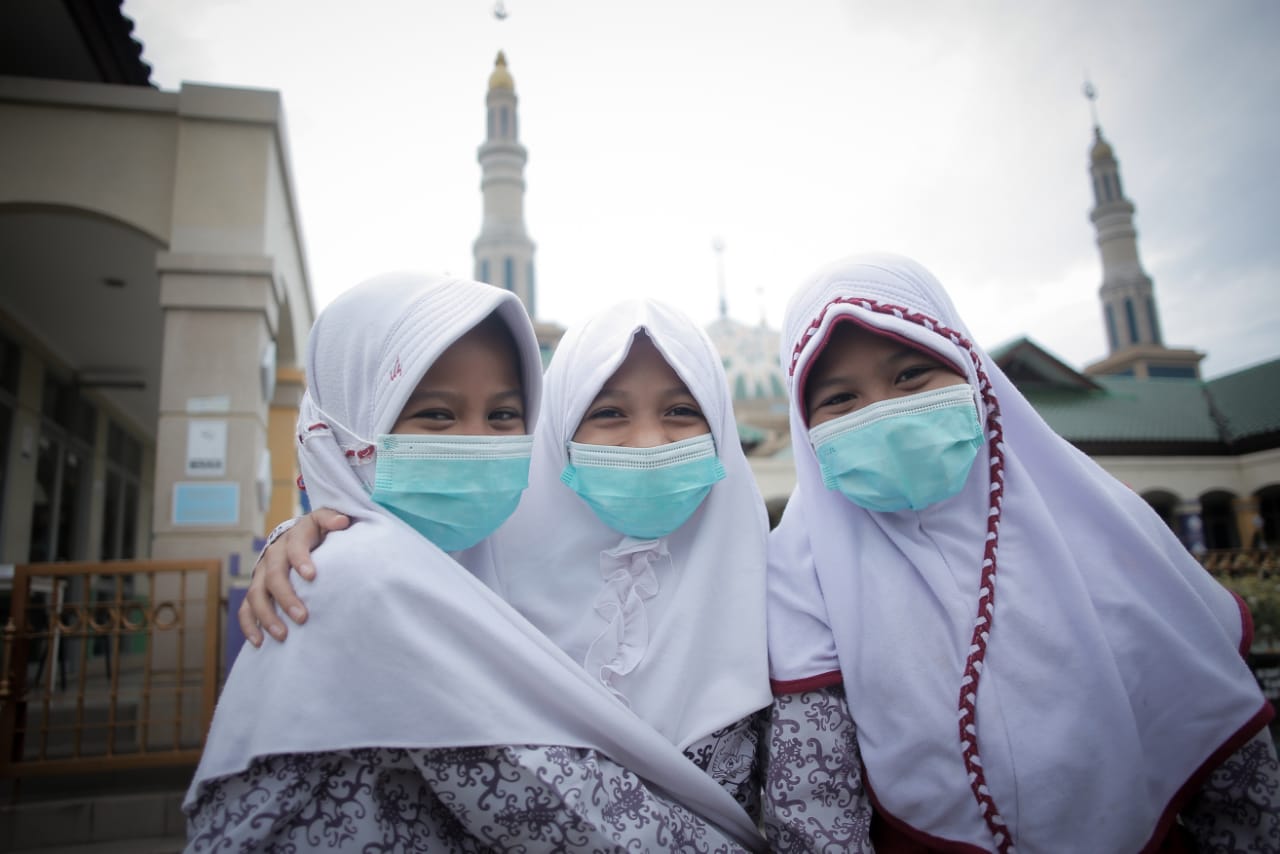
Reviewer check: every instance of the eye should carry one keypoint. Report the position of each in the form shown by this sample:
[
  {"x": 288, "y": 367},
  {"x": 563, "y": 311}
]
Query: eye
[
  {"x": 606, "y": 412},
  {"x": 915, "y": 373},
  {"x": 684, "y": 410},
  {"x": 837, "y": 399},
  {"x": 432, "y": 415},
  {"x": 506, "y": 414}
]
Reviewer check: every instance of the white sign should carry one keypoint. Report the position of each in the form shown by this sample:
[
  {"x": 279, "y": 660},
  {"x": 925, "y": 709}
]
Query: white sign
[
  {"x": 216, "y": 403},
  {"x": 206, "y": 448}
]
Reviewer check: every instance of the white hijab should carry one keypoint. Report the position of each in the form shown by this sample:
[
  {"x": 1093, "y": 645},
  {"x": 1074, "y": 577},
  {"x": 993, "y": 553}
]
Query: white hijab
[
  {"x": 673, "y": 626},
  {"x": 408, "y": 648},
  {"x": 1085, "y": 707}
]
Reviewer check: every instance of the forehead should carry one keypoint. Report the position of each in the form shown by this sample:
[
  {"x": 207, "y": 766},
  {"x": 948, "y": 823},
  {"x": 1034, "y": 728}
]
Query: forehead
[
  {"x": 487, "y": 350},
  {"x": 850, "y": 343},
  {"x": 644, "y": 366}
]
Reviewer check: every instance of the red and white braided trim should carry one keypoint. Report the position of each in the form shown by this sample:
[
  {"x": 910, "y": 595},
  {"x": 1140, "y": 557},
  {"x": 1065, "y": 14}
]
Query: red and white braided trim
[{"x": 967, "y": 706}]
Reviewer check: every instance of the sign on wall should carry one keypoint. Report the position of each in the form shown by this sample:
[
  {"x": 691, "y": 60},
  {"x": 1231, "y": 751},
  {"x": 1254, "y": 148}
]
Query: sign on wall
[
  {"x": 206, "y": 448},
  {"x": 206, "y": 503}
]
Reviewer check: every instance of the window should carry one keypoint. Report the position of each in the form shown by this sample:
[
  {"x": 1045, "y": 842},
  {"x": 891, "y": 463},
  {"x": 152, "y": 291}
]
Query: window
[
  {"x": 1151, "y": 318},
  {"x": 509, "y": 273},
  {"x": 1219, "y": 517},
  {"x": 1166, "y": 506},
  {"x": 120, "y": 502},
  {"x": 59, "y": 518},
  {"x": 59, "y": 513},
  {"x": 504, "y": 122},
  {"x": 484, "y": 271},
  {"x": 1106, "y": 185},
  {"x": 1111, "y": 327},
  {"x": 489, "y": 122},
  {"x": 1131, "y": 319},
  {"x": 1269, "y": 513},
  {"x": 1171, "y": 371},
  {"x": 9, "y": 355}
]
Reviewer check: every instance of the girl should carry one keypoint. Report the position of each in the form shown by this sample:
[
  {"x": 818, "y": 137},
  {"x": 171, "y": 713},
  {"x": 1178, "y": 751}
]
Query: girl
[
  {"x": 1031, "y": 658},
  {"x": 447, "y": 722},
  {"x": 639, "y": 548}
]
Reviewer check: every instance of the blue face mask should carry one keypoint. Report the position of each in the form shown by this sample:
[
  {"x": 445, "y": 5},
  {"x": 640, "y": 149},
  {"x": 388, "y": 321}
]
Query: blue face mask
[
  {"x": 644, "y": 493},
  {"x": 454, "y": 490},
  {"x": 904, "y": 453}
]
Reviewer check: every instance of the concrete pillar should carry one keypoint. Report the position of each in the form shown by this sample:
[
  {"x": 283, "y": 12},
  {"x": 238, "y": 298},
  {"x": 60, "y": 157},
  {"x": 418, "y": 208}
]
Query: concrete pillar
[
  {"x": 220, "y": 319},
  {"x": 220, "y": 322},
  {"x": 1249, "y": 522},
  {"x": 283, "y": 429}
]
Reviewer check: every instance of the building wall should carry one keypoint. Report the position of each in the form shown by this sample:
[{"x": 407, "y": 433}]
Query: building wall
[
  {"x": 1191, "y": 477},
  {"x": 202, "y": 173}
]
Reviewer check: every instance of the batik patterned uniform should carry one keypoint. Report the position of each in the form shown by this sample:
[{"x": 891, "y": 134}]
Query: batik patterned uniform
[
  {"x": 472, "y": 799},
  {"x": 816, "y": 802}
]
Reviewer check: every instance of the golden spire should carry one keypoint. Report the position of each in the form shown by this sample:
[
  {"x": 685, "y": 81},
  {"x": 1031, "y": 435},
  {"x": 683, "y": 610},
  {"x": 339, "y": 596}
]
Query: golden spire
[{"x": 501, "y": 77}]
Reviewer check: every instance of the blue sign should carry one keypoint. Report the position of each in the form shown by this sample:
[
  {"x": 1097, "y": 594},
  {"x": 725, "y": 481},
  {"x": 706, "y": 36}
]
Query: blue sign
[{"x": 206, "y": 503}]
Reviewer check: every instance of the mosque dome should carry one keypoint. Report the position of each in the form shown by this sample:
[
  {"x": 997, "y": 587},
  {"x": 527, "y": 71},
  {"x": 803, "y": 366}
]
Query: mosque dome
[
  {"x": 750, "y": 358},
  {"x": 501, "y": 77}
]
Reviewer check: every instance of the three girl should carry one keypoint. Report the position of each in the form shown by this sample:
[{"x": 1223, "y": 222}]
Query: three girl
[{"x": 1030, "y": 658}]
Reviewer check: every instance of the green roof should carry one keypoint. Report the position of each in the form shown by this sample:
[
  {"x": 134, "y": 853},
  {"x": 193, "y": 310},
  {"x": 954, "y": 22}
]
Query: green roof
[
  {"x": 1248, "y": 401},
  {"x": 1130, "y": 410}
]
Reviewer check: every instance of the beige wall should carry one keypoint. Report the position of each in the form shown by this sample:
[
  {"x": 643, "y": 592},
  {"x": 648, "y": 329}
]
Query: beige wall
[
  {"x": 205, "y": 173},
  {"x": 1191, "y": 477}
]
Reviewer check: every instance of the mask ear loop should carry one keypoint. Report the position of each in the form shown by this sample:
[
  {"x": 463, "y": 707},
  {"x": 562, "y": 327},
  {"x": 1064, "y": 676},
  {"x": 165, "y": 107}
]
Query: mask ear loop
[
  {"x": 968, "y": 703},
  {"x": 314, "y": 421}
]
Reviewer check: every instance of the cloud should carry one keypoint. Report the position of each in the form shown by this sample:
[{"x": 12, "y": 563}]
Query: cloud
[{"x": 798, "y": 133}]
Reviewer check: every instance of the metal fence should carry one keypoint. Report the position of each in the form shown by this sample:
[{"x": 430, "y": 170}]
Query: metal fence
[
  {"x": 108, "y": 666},
  {"x": 1232, "y": 562}
]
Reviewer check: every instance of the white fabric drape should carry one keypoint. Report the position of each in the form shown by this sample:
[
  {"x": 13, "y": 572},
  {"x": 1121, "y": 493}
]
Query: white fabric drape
[
  {"x": 406, "y": 647},
  {"x": 1111, "y": 670},
  {"x": 673, "y": 626}
]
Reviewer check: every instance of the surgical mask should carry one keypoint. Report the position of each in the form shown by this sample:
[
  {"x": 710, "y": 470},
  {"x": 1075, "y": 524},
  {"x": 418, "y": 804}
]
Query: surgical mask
[
  {"x": 905, "y": 453},
  {"x": 644, "y": 493},
  {"x": 454, "y": 490}
]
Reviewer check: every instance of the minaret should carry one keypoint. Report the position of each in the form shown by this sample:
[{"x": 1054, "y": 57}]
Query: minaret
[
  {"x": 1130, "y": 316},
  {"x": 503, "y": 251}
]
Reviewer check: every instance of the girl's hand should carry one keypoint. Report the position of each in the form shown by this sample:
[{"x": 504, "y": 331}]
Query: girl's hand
[{"x": 270, "y": 584}]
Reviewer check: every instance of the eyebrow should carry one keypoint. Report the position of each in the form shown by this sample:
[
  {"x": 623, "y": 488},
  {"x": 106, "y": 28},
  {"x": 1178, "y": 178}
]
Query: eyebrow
[
  {"x": 455, "y": 396},
  {"x": 670, "y": 391}
]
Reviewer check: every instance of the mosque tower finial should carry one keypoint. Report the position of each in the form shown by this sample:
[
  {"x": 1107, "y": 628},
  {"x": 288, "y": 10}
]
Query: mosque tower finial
[
  {"x": 1092, "y": 94},
  {"x": 503, "y": 252}
]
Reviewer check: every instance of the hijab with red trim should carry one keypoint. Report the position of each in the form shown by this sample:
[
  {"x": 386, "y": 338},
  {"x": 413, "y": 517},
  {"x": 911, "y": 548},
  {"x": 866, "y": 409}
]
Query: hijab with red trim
[{"x": 1036, "y": 661}]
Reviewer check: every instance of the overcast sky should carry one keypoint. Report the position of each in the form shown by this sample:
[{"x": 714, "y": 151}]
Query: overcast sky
[{"x": 798, "y": 131}]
